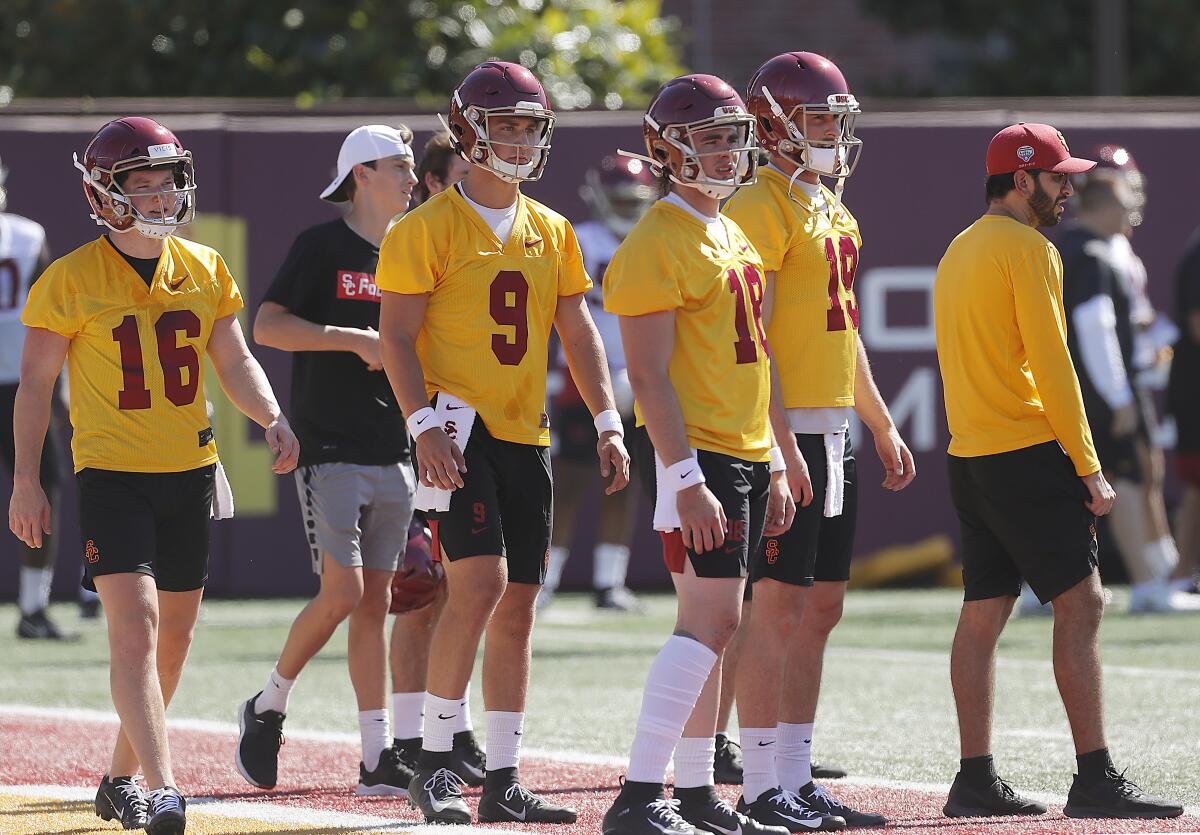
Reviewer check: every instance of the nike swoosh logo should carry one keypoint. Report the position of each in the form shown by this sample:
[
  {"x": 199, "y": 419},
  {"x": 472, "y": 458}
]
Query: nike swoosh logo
[
  {"x": 454, "y": 408},
  {"x": 518, "y": 815},
  {"x": 808, "y": 823},
  {"x": 737, "y": 830},
  {"x": 438, "y": 805},
  {"x": 451, "y": 716},
  {"x": 808, "y": 742},
  {"x": 765, "y": 744},
  {"x": 177, "y": 284},
  {"x": 476, "y": 772},
  {"x": 681, "y": 478},
  {"x": 422, "y": 420},
  {"x": 476, "y": 532}
]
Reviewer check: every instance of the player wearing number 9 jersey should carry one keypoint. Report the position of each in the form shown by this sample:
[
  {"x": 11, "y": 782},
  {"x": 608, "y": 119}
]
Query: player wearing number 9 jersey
[
  {"x": 132, "y": 313},
  {"x": 810, "y": 246},
  {"x": 472, "y": 280}
]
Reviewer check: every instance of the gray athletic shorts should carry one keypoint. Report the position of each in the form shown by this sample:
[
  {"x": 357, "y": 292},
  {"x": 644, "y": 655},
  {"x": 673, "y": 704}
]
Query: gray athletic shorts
[{"x": 356, "y": 513}]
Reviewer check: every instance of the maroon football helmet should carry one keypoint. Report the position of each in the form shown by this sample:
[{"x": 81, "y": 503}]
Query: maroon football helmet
[
  {"x": 787, "y": 88},
  {"x": 1116, "y": 159},
  {"x": 618, "y": 191},
  {"x": 683, "y": 108},
  {"x": 419, "y": 576},
  {"x": 496, "y": 89},
  {"x": 129, "y": 144}
]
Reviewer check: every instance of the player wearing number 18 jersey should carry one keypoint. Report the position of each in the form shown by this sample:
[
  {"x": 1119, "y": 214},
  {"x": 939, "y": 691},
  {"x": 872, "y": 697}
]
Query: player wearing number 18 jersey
[
  {"x": 473, "y": 279},
  {"x": 809, "y": 243},
  {"x": 132, "y": 313}
]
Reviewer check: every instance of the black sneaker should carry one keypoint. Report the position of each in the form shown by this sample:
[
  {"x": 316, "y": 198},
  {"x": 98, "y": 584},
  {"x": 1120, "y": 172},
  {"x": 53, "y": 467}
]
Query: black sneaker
[
  {"x": 39, "y": 627},
  {"x": 779, "y": 807},
  {"x": 1115, "y": 797},
  {"x": 389, "y": 779},
  {"x": 122, "y": 799},
  {"x": 409, "y": 751},
  {"x": 820, "y": 771},
  {"x": 516, "y": 804},
  {"x": 467, "y": 760},
  {"x": 637, "y": 817},
  {"x": 167, "y": 812},
  {"x": 709, "y": 813},
  {"x": 437, "y": 794},
  {"x": 969, "y": 801},
  {"x": 260, "y": 736},
  {"x": 816, "y": 797},
  {"x": 727, "y": 763}
]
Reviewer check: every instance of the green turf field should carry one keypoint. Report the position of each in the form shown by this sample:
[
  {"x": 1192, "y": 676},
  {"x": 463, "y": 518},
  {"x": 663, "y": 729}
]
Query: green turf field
[{"x": 886, "y": 707}]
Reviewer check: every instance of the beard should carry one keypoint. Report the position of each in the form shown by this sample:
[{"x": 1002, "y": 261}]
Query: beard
[{"x": 1045, "y": 207}]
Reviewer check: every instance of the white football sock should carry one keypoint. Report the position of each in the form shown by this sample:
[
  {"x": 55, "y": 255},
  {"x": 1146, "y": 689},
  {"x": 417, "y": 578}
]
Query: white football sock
[
  {"x": 441, "y": 717},
  {"x": 676, "y": 678},
  {"x": 793, "y": 760},
  {"x": 464, "y": 712},
  {"x": 275, "y": 693},
  {"x": 503, "y": 745},
  {"x": 610, "y": 563},
  {"x": 35, "y": 589},
  {"x": 376, "y": 735},
  {"x": 408, "y": 714},
  {"x": 694, "y": 762},
  {"x": 758, "y": 762}
]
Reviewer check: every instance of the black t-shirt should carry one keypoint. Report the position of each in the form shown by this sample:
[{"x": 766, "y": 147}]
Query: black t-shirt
[
  {"x": 1183, "y": 392},
  {"x": 340, "y": 411},
  {"x": 145, "y": 267},
  {"x": 1088, "y": 272}
]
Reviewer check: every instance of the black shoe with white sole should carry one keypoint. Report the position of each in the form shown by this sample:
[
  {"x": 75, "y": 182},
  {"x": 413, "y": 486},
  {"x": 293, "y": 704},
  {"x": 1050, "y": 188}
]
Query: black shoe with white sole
[
  {"x": 437, "y": 794},
  {"x": 996, "y": 799},
  {"x": 122, "y": 799},
  {"x": 260, "y": 736},
  {"x": 817, "y": 798},
  {"x": 516, "y": 804},
  {"x": 707, "y": 812},
  {"x": 389, "y": 779},
  {"x": 467, "y": 760},
  {"x": 778, "y": 807},
  {"x": 167, "y": 812},
  {"x": 635, "y": 814}
]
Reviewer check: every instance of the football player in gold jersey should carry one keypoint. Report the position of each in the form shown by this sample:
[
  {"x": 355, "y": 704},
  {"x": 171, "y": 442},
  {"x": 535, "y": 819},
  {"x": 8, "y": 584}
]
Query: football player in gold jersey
[
  {"x": 473, "y": 279},
  {"x": 809, "y": 243},
  {"x": 132, "y": 314},
  {"x": 687, "y": 286}
]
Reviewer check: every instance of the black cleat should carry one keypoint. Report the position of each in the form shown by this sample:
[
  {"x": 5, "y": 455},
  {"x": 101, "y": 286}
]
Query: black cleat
[
  {"x": 167, "y": 812},
  {"x": 389, "y": 779},
  {"x": 122, "y": 799},
  {"x": 38, "y": 627},
  {"x": 437, "y": 794},
  {"x": 516, "y": 804},
  {"x": 259, "y": 739},
  {"x": 827, "y": 772},
  {"x": 409, "y": 751},
  {"x": 1115, "y": 797},
  {"x": 997, "y": 799},
  {"x": 709, "y": 813},
  {"x": 727, "y": 763},
  {"x": 778, "y": 807},
  {"x": 659, "y": 816},
  {"x": 816, "y": 797},
  {"x": 467, "y": 760}
]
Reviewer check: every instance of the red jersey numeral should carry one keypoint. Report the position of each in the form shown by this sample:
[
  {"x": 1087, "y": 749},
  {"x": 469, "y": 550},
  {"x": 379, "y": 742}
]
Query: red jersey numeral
[
  {"x": 510, "y": 310},
  {"x": 843, "y": 263},
  {"x": 747, "y": 282},
  {"x": 173, "y": 358}
]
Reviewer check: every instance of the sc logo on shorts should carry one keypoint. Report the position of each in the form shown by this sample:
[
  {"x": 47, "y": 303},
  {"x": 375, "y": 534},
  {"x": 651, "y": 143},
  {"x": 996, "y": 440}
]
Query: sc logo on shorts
[{"x": 91, "y": 553}]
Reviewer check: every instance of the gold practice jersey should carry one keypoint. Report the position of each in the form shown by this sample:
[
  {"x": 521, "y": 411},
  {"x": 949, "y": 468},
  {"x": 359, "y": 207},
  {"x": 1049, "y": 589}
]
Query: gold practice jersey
[
  {"x": 1002, "y": 345},
  {"x": 136, "y": 359},
  {"x": 719, "y": 364},
  {"x": 491, "y": 304},
  {"x": 813, "y": 327}
]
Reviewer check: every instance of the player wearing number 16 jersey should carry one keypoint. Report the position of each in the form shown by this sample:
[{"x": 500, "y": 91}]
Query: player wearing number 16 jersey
[
  {"x": 809, "y": 243},
  {"x": 473, "y": 279},
  {"x": 132, "y": 314}
]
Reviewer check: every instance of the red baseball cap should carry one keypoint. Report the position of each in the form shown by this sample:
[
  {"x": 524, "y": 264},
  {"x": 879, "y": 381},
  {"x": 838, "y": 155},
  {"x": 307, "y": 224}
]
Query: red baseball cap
[{"x": 1031, "y": 145}]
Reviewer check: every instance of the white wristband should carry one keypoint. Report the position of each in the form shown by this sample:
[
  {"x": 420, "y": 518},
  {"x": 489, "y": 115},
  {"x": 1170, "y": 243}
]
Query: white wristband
[
  {"x": 420, "y": 421},
  {"x": 684, "y": 474},
  {"x": 609, "y": 421},
  {"x": 777, "y": 464}
]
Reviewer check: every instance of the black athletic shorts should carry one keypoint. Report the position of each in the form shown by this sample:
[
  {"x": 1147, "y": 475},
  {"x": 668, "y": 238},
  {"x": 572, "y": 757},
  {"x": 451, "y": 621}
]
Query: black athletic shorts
[
  {"x": 742, "y": 488},
  {"x": 146, "y": 523},
  {"x": 1022, "y": 516},
  {"x": 505, "y": 507},
  {"x": 814, "y": 547},
  {"x": 51, "y": 456}
]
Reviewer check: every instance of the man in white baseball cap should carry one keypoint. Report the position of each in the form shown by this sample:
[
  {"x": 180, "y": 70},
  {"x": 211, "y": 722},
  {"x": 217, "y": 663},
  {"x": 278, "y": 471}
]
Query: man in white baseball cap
[{"x": 365, "y": 146}]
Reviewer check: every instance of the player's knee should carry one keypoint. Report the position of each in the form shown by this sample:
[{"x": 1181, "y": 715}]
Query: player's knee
[
  {"x": 1081, "y": 606},
  {"x": 374, "y": 603},
  {"x": 337, "y": 600},
  {"x": 820, "y": 617}
]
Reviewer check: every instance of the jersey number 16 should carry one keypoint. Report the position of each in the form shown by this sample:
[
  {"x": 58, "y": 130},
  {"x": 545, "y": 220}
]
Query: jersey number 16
[{"x": 172, "y": 357}]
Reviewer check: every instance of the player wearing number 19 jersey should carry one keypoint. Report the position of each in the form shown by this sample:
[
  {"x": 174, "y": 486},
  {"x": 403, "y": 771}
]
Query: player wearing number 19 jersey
[
  {"x": 473, "y": 279},
  {"x": 810, "y": 244},
  {"x": 132, "y": 315}
]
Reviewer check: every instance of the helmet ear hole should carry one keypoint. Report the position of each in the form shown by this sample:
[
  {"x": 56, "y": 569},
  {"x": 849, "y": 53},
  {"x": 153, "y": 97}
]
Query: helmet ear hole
[{"x": 765, "y": 127}]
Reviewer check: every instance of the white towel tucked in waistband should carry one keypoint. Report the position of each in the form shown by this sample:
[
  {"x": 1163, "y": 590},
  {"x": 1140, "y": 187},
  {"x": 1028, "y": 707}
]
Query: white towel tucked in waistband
[
  {"x": 666, "y": 511},
  {"x": 835, "y": 470},
  {"x": 222, "y": 504},
  {"x": 456, "y": 418}
]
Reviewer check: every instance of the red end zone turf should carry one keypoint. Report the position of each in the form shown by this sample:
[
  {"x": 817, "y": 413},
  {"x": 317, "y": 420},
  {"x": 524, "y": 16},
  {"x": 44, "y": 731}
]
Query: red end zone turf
[{"x": 321, "y": 775}]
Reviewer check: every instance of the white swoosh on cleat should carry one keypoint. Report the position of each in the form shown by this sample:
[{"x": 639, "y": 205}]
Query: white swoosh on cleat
[{"x": 518, "y": 815}]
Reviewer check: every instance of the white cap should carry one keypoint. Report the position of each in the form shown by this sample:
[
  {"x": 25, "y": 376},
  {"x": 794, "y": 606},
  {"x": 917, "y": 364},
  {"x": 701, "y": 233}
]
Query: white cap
[{"x": 365, "y": 144}]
